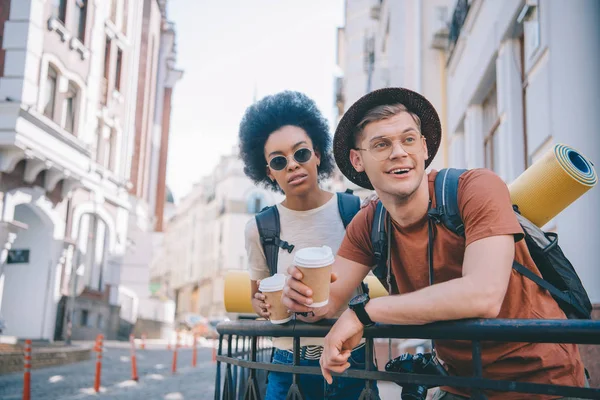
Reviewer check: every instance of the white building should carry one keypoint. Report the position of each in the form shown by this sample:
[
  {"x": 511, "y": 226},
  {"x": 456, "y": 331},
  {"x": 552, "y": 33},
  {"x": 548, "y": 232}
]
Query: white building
[
  {"x": 149, "y": 196},
  {"x": 522, "y": 76},
  {"x": 205, "y": 238},
  {"x": 67, "y": 101},
  {"x": 393, "y": 43}
]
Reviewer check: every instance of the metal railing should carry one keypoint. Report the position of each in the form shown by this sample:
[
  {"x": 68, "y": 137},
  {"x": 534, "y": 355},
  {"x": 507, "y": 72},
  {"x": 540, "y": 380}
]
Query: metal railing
[{"x": 248, "y": 354}]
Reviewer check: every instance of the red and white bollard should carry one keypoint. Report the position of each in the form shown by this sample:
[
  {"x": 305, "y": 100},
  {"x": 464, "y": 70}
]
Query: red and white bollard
[
  {"x": 98, "y": 349},
  {"x": 134, "y": 375},
  {"x": 174, "y": 365},
  {"x": 194, "y": 353},
  {"x": 27, "y": 371},
  {"x": 143, "y": 345}
]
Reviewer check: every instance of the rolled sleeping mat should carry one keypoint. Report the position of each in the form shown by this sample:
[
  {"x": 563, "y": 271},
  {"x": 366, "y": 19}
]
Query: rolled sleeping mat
[
  {"x": 237, "y": 295},
  {"x": 552, "y": 183}
]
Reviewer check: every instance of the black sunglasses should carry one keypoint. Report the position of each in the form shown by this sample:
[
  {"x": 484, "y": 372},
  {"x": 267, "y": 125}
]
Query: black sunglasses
[{"x": 301, "y": 156}]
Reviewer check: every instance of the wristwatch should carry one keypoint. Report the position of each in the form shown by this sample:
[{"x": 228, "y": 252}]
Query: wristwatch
[{"x": 357, "y": 304}]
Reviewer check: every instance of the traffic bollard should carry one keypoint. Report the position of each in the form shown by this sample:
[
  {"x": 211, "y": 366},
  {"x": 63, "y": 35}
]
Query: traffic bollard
[
  {"x": 134, "y": 375},
  {"x": 194, "y": 353},
  {"x": 98, "y": 362},
  {"x": 27, "y": 376},
  {"x": 143, "y": 345},
  {"x": 174, "y": 365}
]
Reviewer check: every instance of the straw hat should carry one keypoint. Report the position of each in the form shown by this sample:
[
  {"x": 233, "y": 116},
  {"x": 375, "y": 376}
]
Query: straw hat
[{"x": 343, "y": 140}]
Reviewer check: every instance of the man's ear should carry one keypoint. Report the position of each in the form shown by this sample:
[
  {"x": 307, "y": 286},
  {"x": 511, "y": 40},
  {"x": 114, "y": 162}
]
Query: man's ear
[
  {"x": 426, "y": 150},
  {"x": 356, "y": 160}
]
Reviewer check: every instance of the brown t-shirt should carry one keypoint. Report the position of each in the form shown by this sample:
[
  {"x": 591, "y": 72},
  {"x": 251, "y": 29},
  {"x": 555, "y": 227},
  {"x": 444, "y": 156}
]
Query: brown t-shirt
[{"x": 486, "y": 210}]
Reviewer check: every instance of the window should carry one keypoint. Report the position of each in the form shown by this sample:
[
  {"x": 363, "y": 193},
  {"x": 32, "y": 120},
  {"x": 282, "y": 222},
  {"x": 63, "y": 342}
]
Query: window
[
  {"x": 59, "y": 10},
  {"x": 105, "y": 146},
  {"x": 491, "y": 122},
  {"x": 99, "y": 322},
  {"x": 93, "y": 246},
  {"x": 80, "y": 18},
  {"x": 70, "y": 108},
  {"x": 84, "y": 317},
  {"x": 119, "y": 67},
  {"x": 106, "y": 57},
  {"x": 50, "y": 97}
]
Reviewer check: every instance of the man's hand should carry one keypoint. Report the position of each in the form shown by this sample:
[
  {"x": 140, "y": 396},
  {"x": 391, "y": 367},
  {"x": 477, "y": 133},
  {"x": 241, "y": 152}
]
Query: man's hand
[
  {"x": 345, "y": 335},
  {"x": 259, "y": 304},
  {"x": 296, "y": 294}
]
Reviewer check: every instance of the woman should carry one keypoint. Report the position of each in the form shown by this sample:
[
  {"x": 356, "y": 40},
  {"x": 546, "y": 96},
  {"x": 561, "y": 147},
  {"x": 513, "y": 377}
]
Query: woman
[{"x": 285, "y": 145}]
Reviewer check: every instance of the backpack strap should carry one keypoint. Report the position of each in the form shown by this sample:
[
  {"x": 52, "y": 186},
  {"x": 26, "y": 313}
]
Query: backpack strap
[
  {"x": 564, "y": 297},
  {"x": 267, "y": 222},
  {"x": 446, "y": 199},
  {"x": 348, "y": 206},
  {"x": 379, "y": 241}
]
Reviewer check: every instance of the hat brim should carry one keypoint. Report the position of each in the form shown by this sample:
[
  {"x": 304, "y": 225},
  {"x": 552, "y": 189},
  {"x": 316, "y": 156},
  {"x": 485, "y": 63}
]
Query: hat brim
[{"x": 343, "y": 140}]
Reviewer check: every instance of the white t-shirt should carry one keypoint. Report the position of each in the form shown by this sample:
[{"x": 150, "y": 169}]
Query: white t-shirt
[{"x": 312, "y": 228}]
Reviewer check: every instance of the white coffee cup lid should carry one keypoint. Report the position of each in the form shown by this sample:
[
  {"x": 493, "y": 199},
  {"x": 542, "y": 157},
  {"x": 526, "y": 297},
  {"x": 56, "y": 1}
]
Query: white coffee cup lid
[
  {"x": 314, "y": 257},
  {"x": 272, "y": 283}
]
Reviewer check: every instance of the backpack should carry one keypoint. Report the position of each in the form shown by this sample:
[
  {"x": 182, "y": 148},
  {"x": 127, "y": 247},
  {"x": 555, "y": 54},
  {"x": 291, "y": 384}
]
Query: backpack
[
  {"x": 558, "y": 275},
  {"x": 267, "y": 222}
]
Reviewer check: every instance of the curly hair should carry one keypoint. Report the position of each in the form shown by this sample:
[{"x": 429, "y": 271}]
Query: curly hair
[{"x": 268, "y": 115}]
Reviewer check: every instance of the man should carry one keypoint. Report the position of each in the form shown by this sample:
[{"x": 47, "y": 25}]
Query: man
[{"x": 385, "y": 142}]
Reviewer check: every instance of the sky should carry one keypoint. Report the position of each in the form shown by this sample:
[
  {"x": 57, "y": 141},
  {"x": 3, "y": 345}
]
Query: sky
[{"x": 232, "y": 51}]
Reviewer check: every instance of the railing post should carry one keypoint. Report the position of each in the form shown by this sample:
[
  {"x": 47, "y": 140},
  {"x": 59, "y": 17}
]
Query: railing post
[
  {"x": 239, "y": 371},
  {"x": 477, "y": 394},
  {"x": 228, "y": 387},
  {"x": 235, "y": 369},
  {"x": 368, "y": 393},
  {"x": 295, "y": 392},
  {"x": 251, "y": 391},
  {"x": 218, "y": 374}
]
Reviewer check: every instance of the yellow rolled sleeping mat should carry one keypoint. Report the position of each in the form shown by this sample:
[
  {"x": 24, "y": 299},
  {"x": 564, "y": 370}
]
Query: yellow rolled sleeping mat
[
  {"x": 552, "y": 183},
  {"x": 541, "y": 192}
]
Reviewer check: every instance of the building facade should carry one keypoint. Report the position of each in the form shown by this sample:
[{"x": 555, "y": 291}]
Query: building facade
[
  {"x": 70, "y": 72},
  {"x": 509, "y": 68},
  {"x": 148, "y": 194},
  {"x": 386, "y": 43},
  {"x": 205, "y": 238},
  {"x": 65, "y": 98}
]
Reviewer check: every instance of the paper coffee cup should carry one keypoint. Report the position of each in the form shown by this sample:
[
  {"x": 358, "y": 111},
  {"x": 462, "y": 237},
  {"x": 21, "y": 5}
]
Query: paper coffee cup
[
  {"x": 272, "y": 288},
  {"x": 315, "y": 264}
]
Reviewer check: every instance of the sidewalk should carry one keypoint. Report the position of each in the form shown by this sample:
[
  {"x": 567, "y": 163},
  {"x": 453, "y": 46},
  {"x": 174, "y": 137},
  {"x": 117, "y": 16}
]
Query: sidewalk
[{"x": 43, "y": 354}]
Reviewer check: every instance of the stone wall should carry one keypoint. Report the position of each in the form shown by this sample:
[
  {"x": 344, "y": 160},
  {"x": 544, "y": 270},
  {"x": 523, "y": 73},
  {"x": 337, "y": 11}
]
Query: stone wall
[{"x": 11, "y": 359}]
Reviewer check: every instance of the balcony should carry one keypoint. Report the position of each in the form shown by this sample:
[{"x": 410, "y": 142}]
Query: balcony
[{"x": 458, "y": 20}]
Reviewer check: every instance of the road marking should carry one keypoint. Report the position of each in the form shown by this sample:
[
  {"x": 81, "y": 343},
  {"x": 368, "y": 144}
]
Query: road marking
[
  {"x": 174, "y": 396},
  {"x": 56, "y": 378}
]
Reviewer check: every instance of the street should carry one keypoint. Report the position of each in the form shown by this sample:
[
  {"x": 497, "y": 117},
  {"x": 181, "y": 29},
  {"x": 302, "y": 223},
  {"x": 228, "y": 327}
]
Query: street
[{"x": 76, "y": 381}]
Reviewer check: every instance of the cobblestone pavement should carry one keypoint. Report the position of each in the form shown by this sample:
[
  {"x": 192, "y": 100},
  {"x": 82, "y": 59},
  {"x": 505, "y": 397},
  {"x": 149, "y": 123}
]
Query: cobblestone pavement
[{"x": 76, "y": 381}]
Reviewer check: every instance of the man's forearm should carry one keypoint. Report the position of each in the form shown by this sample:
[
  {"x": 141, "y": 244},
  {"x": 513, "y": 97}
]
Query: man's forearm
[{"x": 456, "y": 299}]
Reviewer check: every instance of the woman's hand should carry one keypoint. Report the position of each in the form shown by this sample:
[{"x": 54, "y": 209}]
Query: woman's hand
[{"x": 260, "y": 306}]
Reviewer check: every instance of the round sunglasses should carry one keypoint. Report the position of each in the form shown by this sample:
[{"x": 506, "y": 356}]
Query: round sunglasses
[{"x": 301, "y": 156}]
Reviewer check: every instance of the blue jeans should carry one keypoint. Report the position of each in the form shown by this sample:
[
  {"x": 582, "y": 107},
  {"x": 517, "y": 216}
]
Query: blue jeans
[{"x": 314, "y": 387}]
